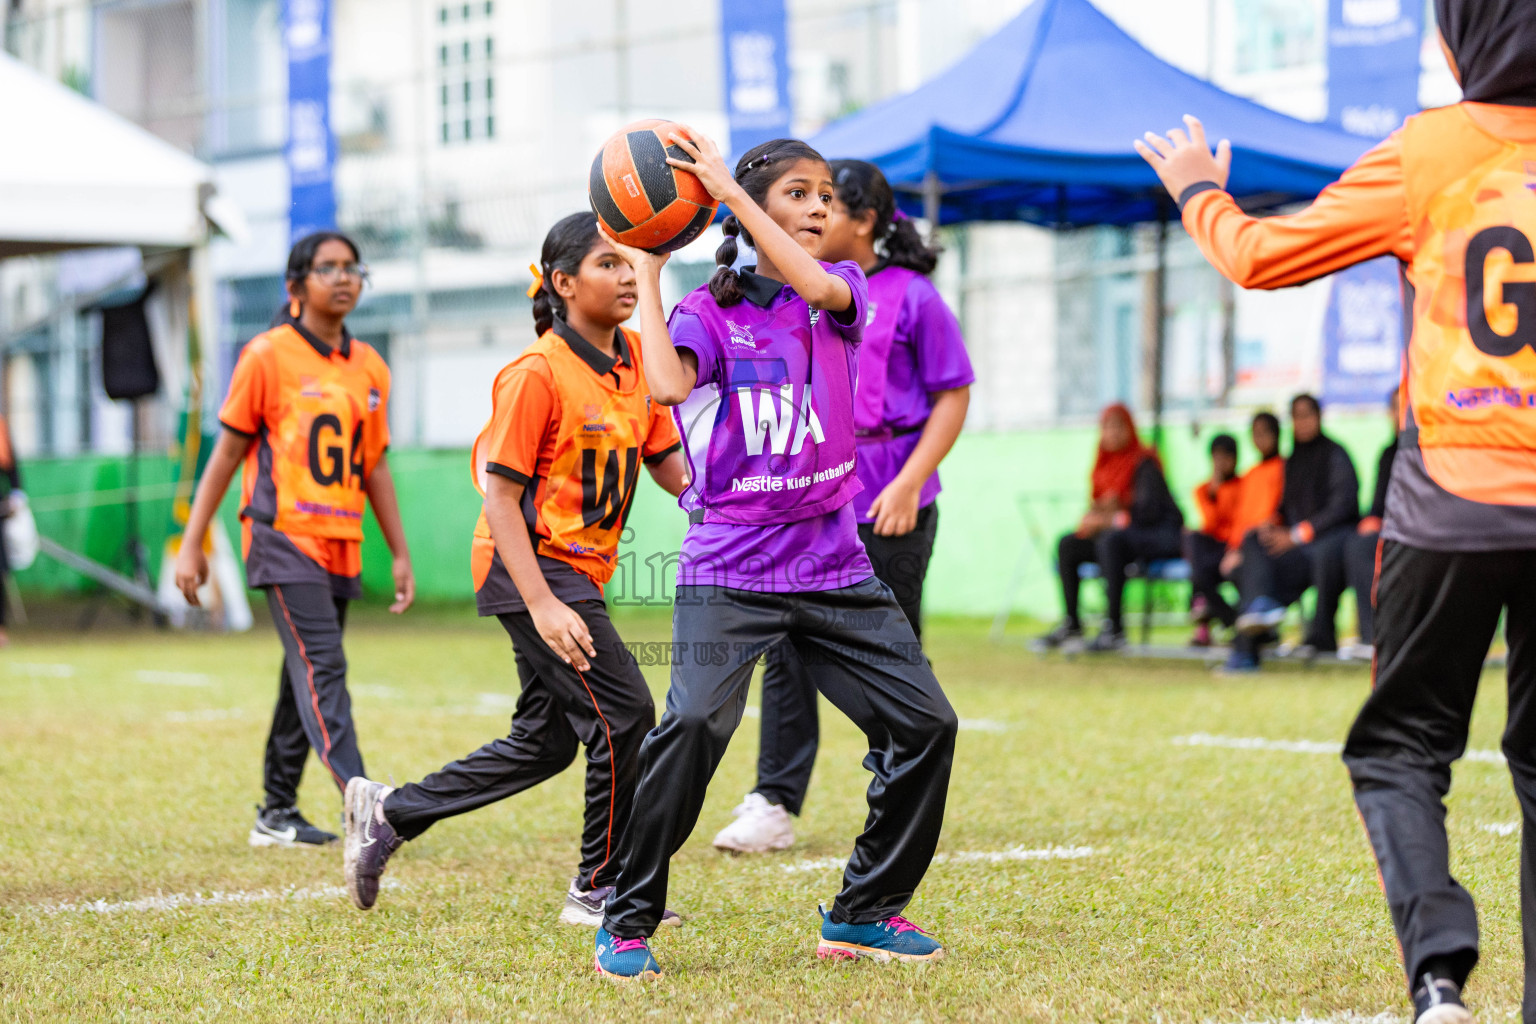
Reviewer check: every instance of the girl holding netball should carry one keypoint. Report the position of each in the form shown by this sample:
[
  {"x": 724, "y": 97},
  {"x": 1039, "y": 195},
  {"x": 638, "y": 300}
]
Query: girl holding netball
[
  {"x": 308, "y": 418},
  {"x": 914, "y": 387},
  {"x": 761, "y": 367},
  {"x": 571, "y": 422}
]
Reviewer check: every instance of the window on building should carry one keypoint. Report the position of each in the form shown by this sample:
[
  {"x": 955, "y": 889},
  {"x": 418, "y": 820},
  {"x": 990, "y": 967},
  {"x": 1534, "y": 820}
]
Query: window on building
[
  {"x": 1272, "y": 35},
  {"x": 466, "y": 57}
]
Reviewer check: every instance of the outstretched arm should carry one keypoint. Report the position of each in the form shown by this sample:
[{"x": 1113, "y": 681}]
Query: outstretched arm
[
  {"x": 801, "y": 270},
  {"x": 1359, "y": 217}
]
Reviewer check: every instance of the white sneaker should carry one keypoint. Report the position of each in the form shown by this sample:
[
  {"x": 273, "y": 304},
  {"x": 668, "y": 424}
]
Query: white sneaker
[{"x": 758, "y": 828}]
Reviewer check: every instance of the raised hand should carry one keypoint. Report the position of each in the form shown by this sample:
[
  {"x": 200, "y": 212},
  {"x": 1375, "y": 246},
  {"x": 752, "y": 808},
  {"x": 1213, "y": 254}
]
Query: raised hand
[
  {"x": 1182, "y": 160},
  {"x": 708, "y": 165}
]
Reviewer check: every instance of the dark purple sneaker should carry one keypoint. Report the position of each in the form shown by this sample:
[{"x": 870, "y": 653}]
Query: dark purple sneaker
[
  {"x": 586, "y": 906},
  {"x": 369, "y": 842}
]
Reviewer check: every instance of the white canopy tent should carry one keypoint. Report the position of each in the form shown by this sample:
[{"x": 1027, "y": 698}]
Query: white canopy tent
[{"x": 75, "y": 175}]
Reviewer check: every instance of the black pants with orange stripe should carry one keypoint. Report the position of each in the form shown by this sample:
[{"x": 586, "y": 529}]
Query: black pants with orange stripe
[
  {"x": 1436, "y": 615},
  {"x": 607, "y": 709},
  {"x": 314, "y": 710}
]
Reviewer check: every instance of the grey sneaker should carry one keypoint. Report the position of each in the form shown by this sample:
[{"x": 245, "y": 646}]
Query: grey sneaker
[
  {"x": 1108, "y": 641},
  {"x": 1066, "y": 638},
  {"x": 369, "y": 841},
  {"x": 585, "y": 907},
  {"x": 285, "y": 826}
]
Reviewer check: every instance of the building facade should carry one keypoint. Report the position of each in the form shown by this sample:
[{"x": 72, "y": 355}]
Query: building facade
[{"x": 466, "y": 128}]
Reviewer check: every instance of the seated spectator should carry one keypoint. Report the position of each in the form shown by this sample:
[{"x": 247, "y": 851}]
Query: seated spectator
[
  {"x": 1258, "y": 500},
  {"x": 1131, "y": 517},
  {"x": 1319, "y": 507},
  {"x": 1360, "y": 550},
  {"x": 1217, "y": 499}
]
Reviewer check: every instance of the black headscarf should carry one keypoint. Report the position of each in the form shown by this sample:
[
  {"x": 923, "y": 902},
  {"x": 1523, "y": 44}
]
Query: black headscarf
[{"x": 1494, "y": 43}]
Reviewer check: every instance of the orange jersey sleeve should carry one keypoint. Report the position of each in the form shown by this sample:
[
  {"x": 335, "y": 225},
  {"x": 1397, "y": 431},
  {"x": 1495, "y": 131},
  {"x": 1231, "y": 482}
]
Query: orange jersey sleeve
[
  {"x": 1359, "y": 217},
  {"x": 523, "y": 415},
  {"x": 244, "y": 409},
  {"x": 662, "y": 438}
]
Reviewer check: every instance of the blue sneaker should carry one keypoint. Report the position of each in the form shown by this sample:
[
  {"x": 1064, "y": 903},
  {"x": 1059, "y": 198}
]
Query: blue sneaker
[
  {"x": 624, "y": 959},
  {"x": 1261, "y": 616},
  {"x": 1239, "y": 663},
  {"x": 895, "y": 938}
]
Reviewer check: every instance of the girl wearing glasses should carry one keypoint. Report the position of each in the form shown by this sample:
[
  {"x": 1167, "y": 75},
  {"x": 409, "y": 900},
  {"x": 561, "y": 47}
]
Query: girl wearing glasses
[{"x": 307, "y": 417}]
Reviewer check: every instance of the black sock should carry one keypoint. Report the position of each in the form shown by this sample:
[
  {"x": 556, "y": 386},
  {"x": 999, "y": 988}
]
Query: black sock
[{"x": 1454, "y": 967}]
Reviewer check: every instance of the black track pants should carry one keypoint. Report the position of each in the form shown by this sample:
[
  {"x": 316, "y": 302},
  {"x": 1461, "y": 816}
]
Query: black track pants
[
  {"x": 606, "y": 709},
  {"x": 865, "y": 658},
  {"x": 1204, "y": 554},
  {"x": 1436, "y": 615},
  {"x": 313, "y": 709},
  {"x": 1113, "y": 551},
  {"x": 791, "y": 733}
]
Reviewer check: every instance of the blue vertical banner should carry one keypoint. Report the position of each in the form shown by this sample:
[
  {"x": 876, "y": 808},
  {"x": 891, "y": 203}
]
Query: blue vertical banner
[
  {"x": 1373, "y": 64},
  {"x": 1373, "y": 84},
  {"x": 311, "y": 149},
  {"x": 755, "y": 37}
]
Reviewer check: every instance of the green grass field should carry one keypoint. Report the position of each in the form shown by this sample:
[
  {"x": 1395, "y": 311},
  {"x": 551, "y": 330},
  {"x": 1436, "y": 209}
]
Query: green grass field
[{"x": 1199, "y": 882}]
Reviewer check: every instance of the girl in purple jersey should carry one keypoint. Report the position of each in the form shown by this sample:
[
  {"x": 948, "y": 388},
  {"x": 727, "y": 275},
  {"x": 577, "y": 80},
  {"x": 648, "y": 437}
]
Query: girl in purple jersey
[
  {"x": 761, "y": 367},
  {"x": 914, "y": 388}
]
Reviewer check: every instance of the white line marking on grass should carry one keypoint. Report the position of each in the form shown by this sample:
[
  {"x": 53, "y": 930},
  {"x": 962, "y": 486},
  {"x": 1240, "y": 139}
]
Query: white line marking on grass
[
  {"x": 753, "y": 712},
  {"x": 50, "y": 670},
  {"x": 182, "y": 900},
  {"x": 1347, "y": 1018},
  {"x": 982, "y": 725},
  {"x": 158, "y": 678},
  {"x": 1201, "y": 739},
  {"x": 965, "y": 857},
  {"x": 205, "y": 715},
  {"x": 1501, "y": 828}
]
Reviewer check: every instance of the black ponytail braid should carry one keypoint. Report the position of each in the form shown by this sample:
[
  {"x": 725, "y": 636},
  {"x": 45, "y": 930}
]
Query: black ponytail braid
[
  {"x": 756, "y": 171},
  {"x": 861, "y": 186},
  {"x": 566, "y": 245}
]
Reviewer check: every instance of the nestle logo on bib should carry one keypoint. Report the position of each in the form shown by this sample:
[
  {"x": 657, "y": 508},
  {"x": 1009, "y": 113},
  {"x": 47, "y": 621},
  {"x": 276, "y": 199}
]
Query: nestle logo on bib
[
  {"x": 374, "y": 398},
  {"x": 739, "y": 335},
  {"x": 593, "y": 414}
]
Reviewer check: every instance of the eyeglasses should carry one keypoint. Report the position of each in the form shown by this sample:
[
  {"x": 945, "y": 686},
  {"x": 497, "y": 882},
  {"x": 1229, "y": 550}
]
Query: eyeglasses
[{"x": 330, "y": 273}]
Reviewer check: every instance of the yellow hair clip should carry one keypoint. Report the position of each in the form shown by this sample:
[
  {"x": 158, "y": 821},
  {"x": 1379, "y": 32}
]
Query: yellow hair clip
[{"x": 538, "y": 280}]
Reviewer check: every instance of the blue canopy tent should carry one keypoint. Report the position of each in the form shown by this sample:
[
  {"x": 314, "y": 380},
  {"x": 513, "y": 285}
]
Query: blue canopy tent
[{"x": 1035, "y": 124}]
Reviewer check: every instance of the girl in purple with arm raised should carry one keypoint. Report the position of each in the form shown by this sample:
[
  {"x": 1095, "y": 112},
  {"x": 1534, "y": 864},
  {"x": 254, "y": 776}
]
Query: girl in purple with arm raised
[
  {"x": 914, "y": 388},
  {"x": 761, "y": 367}
]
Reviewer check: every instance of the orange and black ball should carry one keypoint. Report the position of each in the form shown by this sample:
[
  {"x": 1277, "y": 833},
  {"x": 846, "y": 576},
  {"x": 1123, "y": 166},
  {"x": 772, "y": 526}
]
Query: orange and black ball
[{"x": 641, "y": 199}]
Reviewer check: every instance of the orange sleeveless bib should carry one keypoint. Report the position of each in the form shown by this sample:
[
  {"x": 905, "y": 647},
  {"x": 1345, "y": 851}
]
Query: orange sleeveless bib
[{"x": 1471, "y": 362}]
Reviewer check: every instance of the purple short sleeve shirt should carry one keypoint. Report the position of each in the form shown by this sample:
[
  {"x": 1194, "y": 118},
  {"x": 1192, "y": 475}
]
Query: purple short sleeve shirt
[
  {"x": 769, "y": 437},
  {"x": 912, "y": 348}
]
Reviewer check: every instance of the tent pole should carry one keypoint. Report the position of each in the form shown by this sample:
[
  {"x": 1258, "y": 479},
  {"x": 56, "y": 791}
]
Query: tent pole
[
  {"x": 1159, "y": 323},
  {"x": 932, "y": 195}
]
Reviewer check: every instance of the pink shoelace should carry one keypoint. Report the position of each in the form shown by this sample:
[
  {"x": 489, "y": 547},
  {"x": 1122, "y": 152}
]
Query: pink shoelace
[
  {"x": 628, "y": 945},
  {"x": 901, "y": 924}
]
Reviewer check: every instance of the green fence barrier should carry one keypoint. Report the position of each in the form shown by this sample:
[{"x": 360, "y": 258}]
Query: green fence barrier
[{"x": 1007, "y": 498}]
